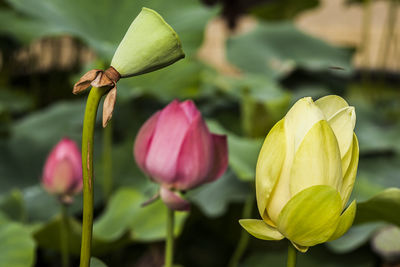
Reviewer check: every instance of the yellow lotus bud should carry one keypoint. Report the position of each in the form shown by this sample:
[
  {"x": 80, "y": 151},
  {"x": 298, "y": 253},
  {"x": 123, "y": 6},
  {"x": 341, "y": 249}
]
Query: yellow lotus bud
[
  {"x": 305, "y": 174},
  {"x": 148, "y": 45}
]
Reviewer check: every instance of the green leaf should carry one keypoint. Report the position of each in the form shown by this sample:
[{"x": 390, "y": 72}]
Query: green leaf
[
  {"x": 17, "y": 247},
  {"x": 316, "y": 257},
  {"x": 14, "y": 102},
  {"x": 124, "y": 213},
  {"x": 380, "y": 208},
  {"x": 102, "y": 24},
  {"x": 121, "y": 209},
  {"x": 268, "y": 49},
  {"x": 13, "y": 206},
  {"x": 375, "y": 174},
  {"x": 282, "y": 10},
  {"x": 214, "y": 198},
  {"x": 48, "y": 236},
  {"x": 22, "y": 27},
  {"x": 149, "y": 223},
  {"x": 243, "y": 152},
  {"x": 263, "y": 103},
  {"x": 260, "y": 230},
  {"x": 95, "y": 262},
  {"x": 181, "y": 79},
  {"x": 357, "y": 236}
]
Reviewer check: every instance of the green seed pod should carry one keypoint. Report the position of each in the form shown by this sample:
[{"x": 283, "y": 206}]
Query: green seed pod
[{"x": 148, "y": 45}]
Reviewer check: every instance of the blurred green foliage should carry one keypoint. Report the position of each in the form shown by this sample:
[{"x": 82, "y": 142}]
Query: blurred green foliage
[
  {"x": 278, "y": 64},
  {"x": 279, "y": 10}
]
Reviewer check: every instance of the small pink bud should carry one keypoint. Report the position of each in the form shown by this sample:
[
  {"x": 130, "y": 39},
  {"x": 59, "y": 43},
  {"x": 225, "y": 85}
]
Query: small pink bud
[
  {"x": 175, "y": 148},
  {"x": 174, "y": 200},
  {"x": 62, "y": 172}
]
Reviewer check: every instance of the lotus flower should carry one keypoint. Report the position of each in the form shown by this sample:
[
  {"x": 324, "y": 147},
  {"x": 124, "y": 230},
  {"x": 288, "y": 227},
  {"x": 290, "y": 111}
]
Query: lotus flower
[
  {"x": 175, "y": 148},
  {"x": 305, "y": 174},
  {"x": 62, "y": 172}
]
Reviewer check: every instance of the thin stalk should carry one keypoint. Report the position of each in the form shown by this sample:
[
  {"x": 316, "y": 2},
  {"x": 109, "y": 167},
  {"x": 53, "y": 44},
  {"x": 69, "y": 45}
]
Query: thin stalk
[
  {"x": 107, "y": 161},
  {"x": 292, "y": 253},
  {"x": 64, "y": 235},
  {"x": 244, "y": 236},
  {"x": 169, "y": 246},
  {"x": 87, "y": 164}
]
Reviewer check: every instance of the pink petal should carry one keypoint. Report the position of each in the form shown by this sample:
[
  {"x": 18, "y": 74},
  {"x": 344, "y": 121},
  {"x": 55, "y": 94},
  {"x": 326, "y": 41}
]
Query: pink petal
[
  {"x": 173, "y": 200},
  {"x": 62, "y": 172},
  {"x": 190, "y": 109},
  {"x": 143, "y": 141},
  {"x": 195, "y": 157},
  {"x": 67, "y": 148},
  {"x": 168, "y": 136},
  {"x": 220, "y": 158}
]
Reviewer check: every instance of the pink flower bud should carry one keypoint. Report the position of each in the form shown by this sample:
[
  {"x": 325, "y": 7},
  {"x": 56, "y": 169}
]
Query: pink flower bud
[
  {"x": 175, "y": 148},
  {"x": 62, "y": 172}
]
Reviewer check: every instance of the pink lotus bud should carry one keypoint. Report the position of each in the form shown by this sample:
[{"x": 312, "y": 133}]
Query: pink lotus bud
[
  {"x": 62, "y": 172},
  {"x": 175, "y": 148}
]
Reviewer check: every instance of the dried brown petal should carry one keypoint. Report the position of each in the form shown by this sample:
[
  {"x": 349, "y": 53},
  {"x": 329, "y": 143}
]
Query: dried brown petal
[
  {"x": 85, "y": 81},
  {"x": 112, "y": 74},
  {"x": 108, "y": 105},
  {"x": 102, "y": 80}
]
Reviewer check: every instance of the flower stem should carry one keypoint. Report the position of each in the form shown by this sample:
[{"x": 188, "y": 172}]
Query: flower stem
[
  {"x": 87, "y": 164},
  {"x": 64, "y": 235},
  {"x": 169, "y": 246},
  {"x": 107, "y": 161},
  {"x": 244, "y": 236},
  {"x": 291, "y": 259}
]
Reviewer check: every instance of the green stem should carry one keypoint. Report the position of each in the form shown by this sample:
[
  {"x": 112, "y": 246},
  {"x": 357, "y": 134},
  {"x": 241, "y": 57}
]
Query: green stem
[
  {"x": 87, "y": 164},
  {"x": 244, "y": 236},
  {"x": 169, "y": 246},
  {"x": 64, "y": 235},
  {"x": 107, "y": 161},
  {"x": 291, "y": 259}
]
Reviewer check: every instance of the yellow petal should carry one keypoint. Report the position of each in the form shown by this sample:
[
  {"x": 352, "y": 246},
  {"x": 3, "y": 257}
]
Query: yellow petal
[
  {"x": 302, "y": 249},
  {"x": 342, "y": 124},
  {"x": 311, "y": 216},
  {"x": 261, "y": 230},
  {"x": 317, "y": 162},
  {"x": 347, "y": 159},
  {"x": 345, "y": 221},
  {"x": 269, "y": 165},
  {"x": 351, "y": 173},
  {"x": 298, "y": 121},
  {"x": 331, "y": 104}
]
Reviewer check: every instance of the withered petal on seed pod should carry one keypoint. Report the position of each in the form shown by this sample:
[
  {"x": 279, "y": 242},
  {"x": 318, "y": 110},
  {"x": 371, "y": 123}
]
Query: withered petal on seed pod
[
  {"x": 108, "y": 105},
  {"x": 85, "y": 81},
  {"x": 102, "y": 80}
]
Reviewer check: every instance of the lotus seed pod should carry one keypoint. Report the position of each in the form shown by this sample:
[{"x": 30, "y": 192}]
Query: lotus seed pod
[{"x": 148, "y": 45}]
